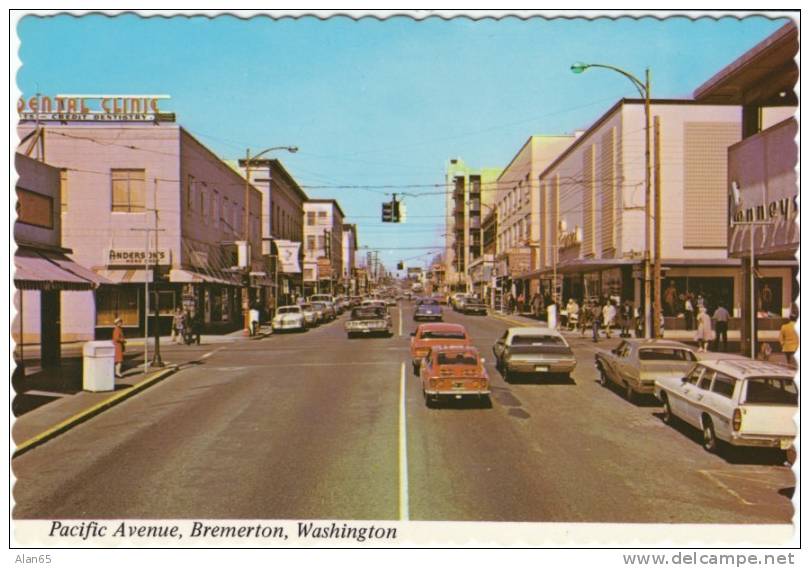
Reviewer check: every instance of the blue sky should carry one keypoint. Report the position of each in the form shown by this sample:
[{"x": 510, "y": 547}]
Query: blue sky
[{"x": 377, "y": 103}]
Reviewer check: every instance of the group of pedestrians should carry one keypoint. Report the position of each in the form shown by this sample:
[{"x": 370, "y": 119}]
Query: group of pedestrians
[{"x": 186, "y": 327}]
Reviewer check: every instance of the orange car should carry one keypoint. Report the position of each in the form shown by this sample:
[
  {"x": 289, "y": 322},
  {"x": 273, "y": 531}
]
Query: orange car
[
  {"x": 428, "y": 335},
  {"x": 453, "y": 371}
]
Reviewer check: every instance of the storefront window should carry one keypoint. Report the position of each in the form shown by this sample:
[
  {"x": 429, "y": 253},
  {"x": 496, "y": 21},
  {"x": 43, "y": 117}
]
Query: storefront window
[
  {"x": 117, "y": 302},
  {"x": 165, "y": 302},
  {"x": 769, "y": 297},
  {"x": 712, "y": 291}
]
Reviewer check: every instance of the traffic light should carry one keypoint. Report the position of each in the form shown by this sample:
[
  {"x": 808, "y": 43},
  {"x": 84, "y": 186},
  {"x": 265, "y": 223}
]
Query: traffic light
[
  {"x": 402, "y": 212},
  {"x": 400, "y": 265},
  {"x": 388, "y": 212},
  {"x": 396, "y": 210}
]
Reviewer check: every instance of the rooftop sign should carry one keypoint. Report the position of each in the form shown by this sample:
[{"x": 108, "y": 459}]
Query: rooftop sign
[{"x": 118, "y": 108}]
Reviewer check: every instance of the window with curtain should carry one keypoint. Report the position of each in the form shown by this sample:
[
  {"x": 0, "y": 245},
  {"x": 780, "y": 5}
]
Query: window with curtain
[{"x": 128, "y": 191}]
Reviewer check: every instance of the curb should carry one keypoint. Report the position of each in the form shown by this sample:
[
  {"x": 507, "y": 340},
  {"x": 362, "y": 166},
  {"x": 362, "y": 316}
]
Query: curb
[{"x": 83, "y": 416}]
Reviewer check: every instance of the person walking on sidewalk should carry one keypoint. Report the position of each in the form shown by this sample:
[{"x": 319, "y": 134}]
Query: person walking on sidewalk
[
  {"x": 196, "y": 327},
  {"x": 720, "y": 318},
  {"x": 704, "y": 332},
  {"x": 178, "y": 321},
  {"x": 689, "y": 312},
  {"x": 608, "y": 316},
  {"x": 626, "y": 316},
  {"x": 596, "y": 316},
  {"x": 120, "y": 341},
  {"x": 789, "y": 340}
]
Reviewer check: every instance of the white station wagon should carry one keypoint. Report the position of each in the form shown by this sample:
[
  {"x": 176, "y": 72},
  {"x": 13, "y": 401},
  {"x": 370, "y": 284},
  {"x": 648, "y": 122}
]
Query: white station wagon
[{"x": 738, "y": 401}]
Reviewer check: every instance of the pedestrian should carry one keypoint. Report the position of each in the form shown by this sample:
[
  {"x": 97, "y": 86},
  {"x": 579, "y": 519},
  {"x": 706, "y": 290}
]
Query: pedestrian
[
  {"x": 511, "y": 304},
  {"x": 584, "y": 318},
  {"x": 196, "y": 327},
  {"x": 704, "y": 332},
  {"x": 720, "y": 318},
  {"x": 520, "y": 301},
  {"x": 689, "y": 312},
  {"x": 596, "y": 316},
  {"x": 608, "y": 316},
  {"x": 626, "y": 315},
  {"x": 789, "y": 340},
  {"x": 177, "y": 326},
  {"x": 120, "y": 342},
  {"x": 572, "y": 309},
  {"x": 187, "y": 337}
]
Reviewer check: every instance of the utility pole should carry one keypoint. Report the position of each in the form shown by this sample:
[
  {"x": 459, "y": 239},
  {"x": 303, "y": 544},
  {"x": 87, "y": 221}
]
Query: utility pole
[
  {"x": 156, "y": 361},
  {"x": 246, "y": 231},
  {"x": 648, "y": 210},
  {"x": 657, "y": 226}
]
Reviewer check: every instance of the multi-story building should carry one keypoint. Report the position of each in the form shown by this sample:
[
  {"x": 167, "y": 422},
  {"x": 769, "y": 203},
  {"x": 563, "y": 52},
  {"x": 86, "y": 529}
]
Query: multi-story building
[
  {"x": 592, "y": 225},
  {"x": 762, "y": 172},
  {"x": 349, "y": 250},
  {"x": 282, "y": 229},
  {"x": 164, "y": 209},
  {"x": 470, "y": 193},
  {"x": 518, "y": 246},
  {"x": 323, "y": 242}
]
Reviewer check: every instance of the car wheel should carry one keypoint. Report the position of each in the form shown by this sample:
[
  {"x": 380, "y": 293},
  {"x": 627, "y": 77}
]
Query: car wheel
[
  {"x": 669, "y": 418},
  {"x": 709, "y": 438},
  {"x": 603, "y": 378},
  {"x": 629, "y": 393}
]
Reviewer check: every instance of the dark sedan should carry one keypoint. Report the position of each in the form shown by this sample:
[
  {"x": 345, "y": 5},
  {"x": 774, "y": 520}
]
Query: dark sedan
[{"x": 428, "y": 309}]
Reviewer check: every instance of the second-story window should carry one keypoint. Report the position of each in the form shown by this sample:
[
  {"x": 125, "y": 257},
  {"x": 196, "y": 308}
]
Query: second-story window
[
  {"x": 310, "y": 217},
  {"x": 128, "y": 191}
]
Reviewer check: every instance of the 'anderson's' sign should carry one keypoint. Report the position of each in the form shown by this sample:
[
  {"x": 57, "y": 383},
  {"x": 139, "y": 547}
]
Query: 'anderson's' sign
[{"x": 121, "y": 108}]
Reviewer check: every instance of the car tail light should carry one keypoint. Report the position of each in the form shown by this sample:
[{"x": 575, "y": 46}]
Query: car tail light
[{"x": 736, "y": 421}]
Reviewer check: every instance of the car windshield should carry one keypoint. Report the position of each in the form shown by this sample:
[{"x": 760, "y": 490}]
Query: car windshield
[
  {"x": 428, "y": 302},
  {"x": 443, "y": 335},
  {"x": 289, "y": 310},
  {"x": 537, "y": 340},
  {"x": 666, "y": 354},
  {"x": 368, "y": 313},
  {"x": 772, "y": 390},
  {"x": 450, "y": 358},
  {"x": 319, "y": 305}
]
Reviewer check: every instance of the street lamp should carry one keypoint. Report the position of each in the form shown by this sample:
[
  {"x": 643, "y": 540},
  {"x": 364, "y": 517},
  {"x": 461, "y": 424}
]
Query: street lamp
[
  {"x": 644, "y": 90},
  {"x": 246, "y": 223}
]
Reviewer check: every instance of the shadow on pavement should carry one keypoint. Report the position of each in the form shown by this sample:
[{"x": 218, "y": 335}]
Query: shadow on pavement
[
  {"x": 533, "y": 379},
  {"x": 640, "y": 400},
  {"x": 466, "y": 403}
]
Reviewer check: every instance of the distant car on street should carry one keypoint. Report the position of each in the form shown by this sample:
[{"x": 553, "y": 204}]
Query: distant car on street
[
  {"x": 536, "y": 350},
  {"x": 289, "y": 318},
  {"x": 311, "y": 315},
  {"x": 368, "y": 320},
  {"x": 427, "y": 309},
  {"x": 428, "y": 335},
  {"x": 454, "y": 299},
  {"x": 453, "y": 371},
  {"x": 635, "y": 364},
  {"x": 741, "y": 402},
  {"x": 474, "y": 306},
  {"x": 327, "y": 308}
]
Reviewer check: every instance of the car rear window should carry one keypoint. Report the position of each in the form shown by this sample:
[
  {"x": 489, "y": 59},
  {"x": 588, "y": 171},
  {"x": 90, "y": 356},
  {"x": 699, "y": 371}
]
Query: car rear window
[
  {"x": 457, "y": 359},
  {"x": 537, "y": 340},
  {"x": 289, "y": 310},
  {"x": 443, "y": 335},
  {"x": 772, "y": 390},
  {"x": 368, "y": 313},
  {"x": 666, "y": 354}
]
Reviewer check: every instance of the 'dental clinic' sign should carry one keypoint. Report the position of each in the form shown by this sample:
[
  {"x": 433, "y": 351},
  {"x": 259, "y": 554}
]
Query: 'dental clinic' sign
[{"x": 120, "y": 108}]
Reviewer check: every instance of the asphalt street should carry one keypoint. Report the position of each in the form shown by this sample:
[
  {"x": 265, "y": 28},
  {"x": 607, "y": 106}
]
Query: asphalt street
[{"x": 315, "y": 426}]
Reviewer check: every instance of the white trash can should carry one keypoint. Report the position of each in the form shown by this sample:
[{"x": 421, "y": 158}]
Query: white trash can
[{"x": 98, "y": 372}]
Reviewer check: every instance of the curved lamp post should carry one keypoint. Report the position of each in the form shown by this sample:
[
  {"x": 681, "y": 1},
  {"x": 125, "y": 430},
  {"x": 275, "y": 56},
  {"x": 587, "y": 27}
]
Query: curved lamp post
[
  {"x": 246, "y": 224},
  {"x": 644, "y": 90}
]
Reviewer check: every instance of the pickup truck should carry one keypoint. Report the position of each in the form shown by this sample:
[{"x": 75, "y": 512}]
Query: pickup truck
[
  {"x": 635, "y": 364},
  {"x": 741, "y": 402},
  {"x": 367, "y": 320},
  {"x": 533, "y": 350}
]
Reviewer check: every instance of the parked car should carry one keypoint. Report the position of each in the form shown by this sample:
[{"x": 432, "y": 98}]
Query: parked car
[
  {"x": 311, "y": 315},
  {"x": 322, "y": 298},
  {"x": 355, "y": 301},
  {"x": 428, "y": 335},
  {"x": 454, "y": 298},
  {"x": 474, "y": 306},
  {"x": 427, "y": 309},
  {"x": 367, "y": 320},
  {"x": 327, "y": 308},
  {"x": 391, "y": 301},
  {"x": 289, "y": 318},
  {"x": 453, "y": 371},
  {"x": 533, "y": 350},
  {"x": 635, "y": 364},
  {"x": 738, "y": 402}
]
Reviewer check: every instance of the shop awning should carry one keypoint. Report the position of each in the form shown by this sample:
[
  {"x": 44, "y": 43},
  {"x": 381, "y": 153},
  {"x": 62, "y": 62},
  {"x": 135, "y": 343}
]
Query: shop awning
[
  {"x": 580, "y": 266},
  {"x": 47, "y": 270},
  {"x": 127, "y": 275},
  {"x": 194, "y": 277}
]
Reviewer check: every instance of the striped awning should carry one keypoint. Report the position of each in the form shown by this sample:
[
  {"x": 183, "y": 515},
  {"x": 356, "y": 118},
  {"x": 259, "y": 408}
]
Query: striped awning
[{"x": 37, "y": 269}]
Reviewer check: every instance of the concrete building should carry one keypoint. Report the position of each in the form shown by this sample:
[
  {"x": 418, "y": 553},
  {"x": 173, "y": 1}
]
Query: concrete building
[
  {"x": 592, "y": 198},
  {"x": 762, "y": 173},
  {"x": 323, "y": 240},
  {"x": 48, "y": 282},
  {"x": 282, "y": 218},
  {"x": 123, "y": 179},
  {"x": 470, "y": 193},
  {"x": 518, "y": 246}
]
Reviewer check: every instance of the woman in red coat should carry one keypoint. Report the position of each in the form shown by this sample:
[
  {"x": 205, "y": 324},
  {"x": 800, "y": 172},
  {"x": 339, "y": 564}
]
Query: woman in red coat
[{"x": 120, "y": 341}]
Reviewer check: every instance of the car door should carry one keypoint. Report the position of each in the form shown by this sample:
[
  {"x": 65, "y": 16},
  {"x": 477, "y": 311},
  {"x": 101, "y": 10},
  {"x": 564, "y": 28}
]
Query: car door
[
  {"x": 680, "y": 401},
  {"x": 696, "y": 398},
  {"x": 625, "y": 373},
  {"x": 611, "y": 361},
  {"x": 721, "y": 405}
]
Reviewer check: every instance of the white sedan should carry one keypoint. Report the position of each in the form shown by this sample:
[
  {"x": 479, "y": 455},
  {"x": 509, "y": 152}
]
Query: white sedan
[{"x": 289, "y": 318}]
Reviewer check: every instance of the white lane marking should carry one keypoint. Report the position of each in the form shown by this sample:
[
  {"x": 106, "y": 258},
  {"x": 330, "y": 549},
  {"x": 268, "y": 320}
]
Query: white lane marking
[
  {"x": 403, "y": 449},
  {"x": 400, "y": 322},
  {"x": 722, "y": 485},
  {"x": 207, "y": 355}
]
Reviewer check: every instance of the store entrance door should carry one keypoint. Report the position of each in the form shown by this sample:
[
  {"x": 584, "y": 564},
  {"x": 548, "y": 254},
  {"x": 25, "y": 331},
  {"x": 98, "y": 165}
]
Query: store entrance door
[{"x": 50, "y": 328}]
